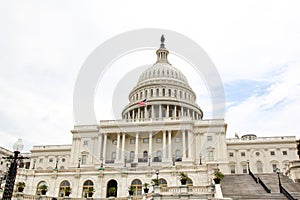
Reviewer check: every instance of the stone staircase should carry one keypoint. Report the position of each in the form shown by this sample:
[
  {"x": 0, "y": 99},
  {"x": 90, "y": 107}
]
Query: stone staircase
[
  {"x": 242, "y": 186},
  {"x": 271, "y": 180}
]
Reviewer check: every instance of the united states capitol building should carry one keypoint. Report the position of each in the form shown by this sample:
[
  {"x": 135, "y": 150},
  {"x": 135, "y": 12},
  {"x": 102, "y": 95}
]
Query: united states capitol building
[{"x": 162, "y": 132}]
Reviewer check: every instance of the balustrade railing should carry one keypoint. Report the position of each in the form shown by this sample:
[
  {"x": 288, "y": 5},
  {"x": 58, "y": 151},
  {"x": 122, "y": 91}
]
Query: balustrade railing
[
  {"x": 286, "y": 193},
  {"x": 268, "y": 190}
]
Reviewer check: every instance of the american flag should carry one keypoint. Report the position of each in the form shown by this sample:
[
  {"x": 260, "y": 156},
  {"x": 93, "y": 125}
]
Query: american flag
[{"x": 142, "y": 103}]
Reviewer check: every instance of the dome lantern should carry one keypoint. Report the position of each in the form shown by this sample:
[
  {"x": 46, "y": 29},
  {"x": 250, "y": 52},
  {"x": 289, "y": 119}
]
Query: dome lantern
[{"x": 162, "y": 52}]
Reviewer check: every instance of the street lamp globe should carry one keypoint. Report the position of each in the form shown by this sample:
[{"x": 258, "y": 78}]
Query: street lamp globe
[{"x": 18, "y": 146}]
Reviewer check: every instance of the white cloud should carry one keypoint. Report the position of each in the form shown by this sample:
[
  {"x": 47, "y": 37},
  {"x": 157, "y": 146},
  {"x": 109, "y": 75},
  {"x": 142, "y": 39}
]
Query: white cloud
[{"x": 275, "y": 112}]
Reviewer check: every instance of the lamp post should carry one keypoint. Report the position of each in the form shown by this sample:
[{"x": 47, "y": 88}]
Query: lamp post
[
  {"x": 125, "y": 160},
  {"x": 149, "y": 158},
  {"x": 79, "y": 159},
  {"x": 279, "y": 182},
  {"x": 248, "y": 164},
  {"x": 101, "y": 164},
  {"x": 56, "y": 165},
  {"x": 33, "y": 166},
  {"x": 200, "y": 159},
  {"x": 173, "y": 160},
  {"x": 157, "y": 173},
  {"x": 12, "y": 172}
]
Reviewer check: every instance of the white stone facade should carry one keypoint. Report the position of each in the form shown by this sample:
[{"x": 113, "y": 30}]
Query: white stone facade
[{"x": 167, "y": 134}]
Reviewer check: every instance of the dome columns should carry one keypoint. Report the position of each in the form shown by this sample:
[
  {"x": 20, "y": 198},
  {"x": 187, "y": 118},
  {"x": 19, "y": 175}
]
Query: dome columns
[{"x": 160, "y": 111}]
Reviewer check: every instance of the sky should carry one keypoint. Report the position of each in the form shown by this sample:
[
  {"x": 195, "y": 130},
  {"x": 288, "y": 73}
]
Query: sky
[{"x": 255, "y": 45}]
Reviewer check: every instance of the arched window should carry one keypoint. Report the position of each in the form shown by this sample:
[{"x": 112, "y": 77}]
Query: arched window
[
  {"x": 137, "y": 187},
  {"x": 175, "y": 93},
  {"x": 157, "y": 92},
  {"x": 131, "y": 156},
  {"x": 259, "y": 167},
  {"x": 146, "y": 93},
  {"x": 189, "y": 182},
  {"x": 87, "y": 185},
  {"x": 232, "y": 169},
  {"x": 162, "y": 182},
  {"x": 113, "y": 155},
  {"x": 169, "y": 92},
  {"x": 151, "y": 92},
  {"x": 145, "y": 154},
  {"x": 158, "y": 155},
  {"x": 163, "y": 92},
  {"x": 62, "y": 188},
  {"x": 38, "y": 190},
  {"x": 180, "y": 94},
  {"x": 141, "y": 95},
  {"x": 177, "y": 154}
]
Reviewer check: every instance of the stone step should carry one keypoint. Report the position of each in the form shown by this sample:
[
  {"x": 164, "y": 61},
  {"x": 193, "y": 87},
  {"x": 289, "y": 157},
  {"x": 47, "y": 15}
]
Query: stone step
[
  {"x": 271, "y": 180},
  {"x": 267, "y": 196},
  {"x": 241, "y": 184}
]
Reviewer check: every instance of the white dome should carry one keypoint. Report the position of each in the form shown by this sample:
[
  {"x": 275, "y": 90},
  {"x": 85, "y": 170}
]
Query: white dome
[
  {"x": 164, "y": 90},
  {"x": 162, "y": 71}
]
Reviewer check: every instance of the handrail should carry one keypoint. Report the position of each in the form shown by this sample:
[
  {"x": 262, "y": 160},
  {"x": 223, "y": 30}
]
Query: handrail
[
  {"x": 258, "y": 180},
  {"x": 268, "y": 190},
  {"x": 253, "y": 176},
  {"x": 286, "y": 193}
]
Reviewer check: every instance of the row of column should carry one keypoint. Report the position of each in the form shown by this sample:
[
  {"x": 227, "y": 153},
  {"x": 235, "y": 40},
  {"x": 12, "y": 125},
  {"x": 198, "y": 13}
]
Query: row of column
[
  {"x": 156, "y": 111},
  {"x": 186, "y": 152}
]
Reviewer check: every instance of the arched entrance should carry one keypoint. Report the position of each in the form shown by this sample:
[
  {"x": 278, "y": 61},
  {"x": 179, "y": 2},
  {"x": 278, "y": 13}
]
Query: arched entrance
[{"x": 112, "y": 188}]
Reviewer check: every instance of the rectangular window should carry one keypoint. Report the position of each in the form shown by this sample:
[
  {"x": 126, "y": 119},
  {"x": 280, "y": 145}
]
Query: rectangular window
[
  {"x": 243, "y": 154},
  {"x": 85, "y": 143},
  {"x": 41, "y": 160},
  {"x": 177, "y": 139},
  {"x": 272, "y": 153},
  {"x": 146, "y": 140},
  {"x": 209, "y": 138},
  {"x": 232, "y": 169},
  {"x": 245, "y": 169},
  {"x": 210, "y": 155},
  {"x": 83, "y": 159},
  {"x": 230, "y": 154},
  {"x": 132, "y": 141},
  {"x": 284, "y": 153},
  {"x": 158, "y": 140}
]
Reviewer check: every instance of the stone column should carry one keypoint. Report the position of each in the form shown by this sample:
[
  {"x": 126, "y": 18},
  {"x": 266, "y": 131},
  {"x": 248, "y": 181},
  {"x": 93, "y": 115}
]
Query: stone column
[
  {"x": 164, "y": 145},
  {"x": 188, "y": 112},
  {"x": 139, "y": 113},
  {"x": 181, "y": 111},
  {"x": 133, "y": 117},
  {"x": 118, "y": 147},
  {"x": 167, "y": 114},
  {"x": 159, "y": 111},
  {"x": 150, "y": 144},
  {"x": 123, "y": 147},
  {"x": 136, "y": 147},
  {"x": 170, "y": 144},
  {"x": 146, "y": 112},
  {"x": 104, "y": 147},
  {"x": 183, "y": 144},
  {"x": 175, "y": 112},
  {"x": 190, "y": 144},
  {"x": 152, "y": 112}
]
